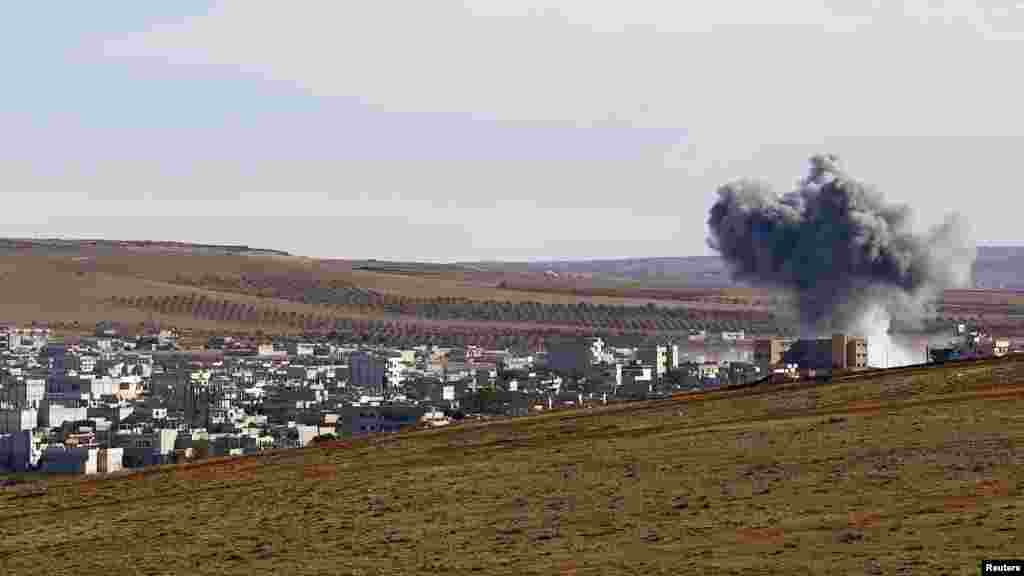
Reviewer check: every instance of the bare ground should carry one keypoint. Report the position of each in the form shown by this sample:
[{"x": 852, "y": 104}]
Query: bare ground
[{"x": 902, "y": 473}]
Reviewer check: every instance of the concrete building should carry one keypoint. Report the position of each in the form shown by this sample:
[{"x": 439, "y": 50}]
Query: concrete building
[
  {"x": 361, "y": 420},
  {"x": 663, "y": 357},
  {"x": 22, "y": 392},
  {"x": 810, "y": 354},
  {"x": 368, "y": 371},
  {"x": 16, "y": 452},
  {"x": 634, "y": 381},
  {"x": 840, "y": 352},
  {"x": 574, "y": 355},
  {"x": 60, "y": 460},
  {"x": 147, "y": 448},
  {"x": 25, "y": 339},
  {"x": 306, "y": 433},
  {"x": 300, "y": 348},
  {"x": 14, "y": 420},
  {"x": 109, "y": 460},
  {"x": 769, "y": 351},
  {"x": 53, "y": 414},
  {"x": 395, "y": 368},
  {"x": 627, "y": 373},
  {"x": 849, "y": 352}
]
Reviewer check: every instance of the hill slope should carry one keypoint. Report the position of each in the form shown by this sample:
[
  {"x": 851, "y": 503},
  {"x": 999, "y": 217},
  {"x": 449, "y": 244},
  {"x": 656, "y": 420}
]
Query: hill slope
[
  {"x": 999, "y": 267},
  {"x": 911, "y": 471}
]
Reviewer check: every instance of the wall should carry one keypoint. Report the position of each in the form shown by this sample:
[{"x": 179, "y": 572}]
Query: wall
[
  {"x": 53, "y": 415},
  {"x": 16, "y": 420},
  {"x": 16, "y": 451}
]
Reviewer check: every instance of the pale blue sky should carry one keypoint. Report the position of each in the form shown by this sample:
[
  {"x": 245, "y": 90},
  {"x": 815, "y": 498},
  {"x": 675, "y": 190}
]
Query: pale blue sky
[{"x": 499, "y": 129}]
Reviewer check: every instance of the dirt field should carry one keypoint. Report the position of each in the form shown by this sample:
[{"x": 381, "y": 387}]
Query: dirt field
[{"x": 909, "y": 473}]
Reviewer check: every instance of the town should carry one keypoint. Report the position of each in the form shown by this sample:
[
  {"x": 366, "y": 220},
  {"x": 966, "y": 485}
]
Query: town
[{"x": 110, "y": 401}]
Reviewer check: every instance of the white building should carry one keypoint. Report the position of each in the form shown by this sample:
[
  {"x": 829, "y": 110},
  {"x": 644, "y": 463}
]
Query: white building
[
  {"x": 54, "y": 415},
  {"x": 18, "y": 419},
  {"x": 627, "y": 375},
  {"x": 109, "y": 460},
  {"x": 22, "y": 392},
  {"x": 662, "y": 357},
  {"x": 396, "y": 366}
]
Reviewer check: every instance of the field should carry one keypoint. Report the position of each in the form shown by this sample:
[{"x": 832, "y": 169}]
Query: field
[
  {"x": 912, "y": 471},
  {"x": 76, "y": 285},
  {"x": 71, "y": 285}
]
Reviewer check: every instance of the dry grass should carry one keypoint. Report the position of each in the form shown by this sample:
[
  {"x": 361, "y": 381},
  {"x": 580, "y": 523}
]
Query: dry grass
[{"x": 894, "y": 474}]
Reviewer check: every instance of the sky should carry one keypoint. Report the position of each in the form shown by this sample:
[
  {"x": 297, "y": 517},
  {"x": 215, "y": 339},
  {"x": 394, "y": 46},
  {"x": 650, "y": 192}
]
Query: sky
[{"x": 493, "y": 129}]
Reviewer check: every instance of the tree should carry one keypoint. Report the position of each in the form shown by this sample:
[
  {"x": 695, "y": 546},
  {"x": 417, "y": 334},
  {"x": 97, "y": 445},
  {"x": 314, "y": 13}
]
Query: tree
[{"x": 201, "y": 449}]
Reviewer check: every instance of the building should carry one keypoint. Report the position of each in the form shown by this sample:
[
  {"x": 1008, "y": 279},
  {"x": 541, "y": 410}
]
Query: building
[
  {"x": 664, "y": 357},
  {"x": 13, "y": 420},
  {"x": 395, "y": 368},
  {"x": 147, "y": 448},
  {"x": 849, "y": 352},
  {"x": 17, "y": 453},
  {"x": 574, "y": 355},
  {"x": 25, "y": 339},
  {"x": 22, "y": 392},
  {"x": 369, "y": 372},
  {"x": 361, "y": 420},
  {"x": 53, "y": 414},
  {"x": 300, "y": 348},
  {"x": 769, "y": 351},
  {"x": 61, "y": 460},
  {"x": 840, "y": 352},
  {"x": 626, "y": 376},
  {"x": 109, "y": 460}
]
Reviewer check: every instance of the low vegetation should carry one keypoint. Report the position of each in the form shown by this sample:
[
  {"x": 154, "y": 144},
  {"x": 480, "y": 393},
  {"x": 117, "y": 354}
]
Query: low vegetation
[{"x": 913, "y": 472}]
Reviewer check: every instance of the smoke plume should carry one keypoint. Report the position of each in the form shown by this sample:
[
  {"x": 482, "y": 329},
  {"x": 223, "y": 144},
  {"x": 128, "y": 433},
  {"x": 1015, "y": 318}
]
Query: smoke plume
[{"x": 838, "y": 247}]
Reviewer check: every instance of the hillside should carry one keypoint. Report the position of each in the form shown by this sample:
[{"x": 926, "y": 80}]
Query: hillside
[
  {"x": 913, "y": 471},
  {"x": 71, "y": 285},
  {"x": 206, "y": 288},
  {"x": 997, "y": 267}
]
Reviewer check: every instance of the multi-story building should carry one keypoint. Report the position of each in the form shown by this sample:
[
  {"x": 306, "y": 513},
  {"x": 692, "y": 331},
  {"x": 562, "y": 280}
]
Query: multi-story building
[
  {"x": 664, "y": 357},
  {"x": 368, "y": 371},
  {"x": 53, "y": 414},
  {"x": 14, "y": 420},
  {"x": 574, "y": 355},
  {"x": 22, "y": 392},
  {"x": 635, "y": 380},
  {"x": 24, "y": 339},
  {"x": 360, "y": 420},
  {"x": 841, "y": 352},
  {"x": 849, "y": 352},
  {"x": 769, "y": 351}
]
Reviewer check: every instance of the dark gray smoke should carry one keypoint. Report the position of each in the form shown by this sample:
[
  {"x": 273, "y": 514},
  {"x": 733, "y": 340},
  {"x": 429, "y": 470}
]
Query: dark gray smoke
[{"x": 837, "y": 246}]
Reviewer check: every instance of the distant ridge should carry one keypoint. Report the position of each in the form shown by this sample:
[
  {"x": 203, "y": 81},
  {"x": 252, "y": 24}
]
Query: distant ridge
[
  {"x": 999, "y": 267},
  {"x": 21, "y": 244}
]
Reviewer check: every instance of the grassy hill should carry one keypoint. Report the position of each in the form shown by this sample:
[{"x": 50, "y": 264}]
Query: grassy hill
[
  {"x": 223, "y": 288},
  {"x": 912, "y": 471},
  {"x": 242, "y": 289}
]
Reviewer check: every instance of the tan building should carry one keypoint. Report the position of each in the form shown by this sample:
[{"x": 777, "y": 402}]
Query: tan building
[
  {"x": 849, "y": 352},
  {"x": 769, "y": 351}
]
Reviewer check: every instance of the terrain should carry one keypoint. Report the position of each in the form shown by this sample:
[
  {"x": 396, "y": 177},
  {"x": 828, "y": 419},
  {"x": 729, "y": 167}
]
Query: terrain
[
  {"x": 71, "y": 285},
  {"x": 908, "y": 471}
]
